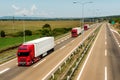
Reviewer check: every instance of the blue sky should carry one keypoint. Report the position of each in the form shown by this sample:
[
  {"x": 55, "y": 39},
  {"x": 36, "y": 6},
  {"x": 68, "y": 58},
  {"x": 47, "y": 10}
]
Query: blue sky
[{"x": 59, "y": 8}]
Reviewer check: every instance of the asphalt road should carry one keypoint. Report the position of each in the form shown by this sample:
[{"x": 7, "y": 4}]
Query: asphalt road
[
  {"x": 38, "y": 71},
  {"x": 103, "y": 60}
]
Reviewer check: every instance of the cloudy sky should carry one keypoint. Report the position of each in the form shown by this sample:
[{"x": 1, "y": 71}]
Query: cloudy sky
[{"x": 59, "y": 8}]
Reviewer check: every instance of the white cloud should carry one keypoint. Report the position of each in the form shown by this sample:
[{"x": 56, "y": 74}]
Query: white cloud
[
  {"x": 15, "y": 7},
  {"x": 22, "y": 12},
  {"x": 28, "y": 12},
  {"x": 33, "y": 10}
]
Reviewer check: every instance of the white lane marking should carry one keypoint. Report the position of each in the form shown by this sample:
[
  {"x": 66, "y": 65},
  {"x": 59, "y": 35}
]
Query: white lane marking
[
  {"x": 62, "y": 40},
  {"x": 4, "y": 70},
  {"x": 58, "y": 42},
  {"x": 105, "y": 43},
  {"x": 62, "y": 47},
  {"x": 39, "y": 63},
  {"x": 118, "y": 43},
  {"x": 8, "y": 62},
  {"x": 65, "y": 38},
  {"x": 105, "y": 38},
  {"x": 78, "y": 78},
  {"x": 72, "y": 41},
  {"x": 105, "y": 52},
  {"x": 105, "y": 73}
]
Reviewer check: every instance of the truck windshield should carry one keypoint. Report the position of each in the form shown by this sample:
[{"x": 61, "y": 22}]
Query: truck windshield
[{"x": 23, "y": 54}]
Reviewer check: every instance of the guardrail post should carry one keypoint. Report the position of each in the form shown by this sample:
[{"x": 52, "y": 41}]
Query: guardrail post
[
  {"x": 65, "y": 62},
  {"x": 68, "y": 77},
  {"x": 60, "y": 68},
  {"x": 69, "y": 57},
  {"x": 53, "y": 76}
]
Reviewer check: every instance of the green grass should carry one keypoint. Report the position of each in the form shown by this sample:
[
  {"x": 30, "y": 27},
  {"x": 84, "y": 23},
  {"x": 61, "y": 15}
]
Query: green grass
[{"x": 12, "y": 41}]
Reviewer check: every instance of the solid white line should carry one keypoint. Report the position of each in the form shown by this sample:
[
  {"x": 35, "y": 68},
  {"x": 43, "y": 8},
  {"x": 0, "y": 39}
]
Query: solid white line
[
  {"x": 105, "y": 73},
  {"x": 105, "y": 52},
  {"x": 62, "y": 47},
  {"x": 78, "y": 78},
  {"x": 8, "y": 62},
  {"x": 4, "y": 70},
  {"x": 39, "y": 63}
]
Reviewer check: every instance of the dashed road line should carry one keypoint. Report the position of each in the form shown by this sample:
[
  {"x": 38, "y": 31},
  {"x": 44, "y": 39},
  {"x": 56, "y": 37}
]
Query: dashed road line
[
  {"x": 105, "y": 52},
  {"x": 72, "y": 40},
  {"x": 62, "y": 47},
  {"x": 105, "y": 43},
  {"x": 105, "y": 73}
]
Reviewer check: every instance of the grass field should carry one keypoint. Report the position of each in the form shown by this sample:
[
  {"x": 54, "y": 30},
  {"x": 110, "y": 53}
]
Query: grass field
[
  {"x": 12, "y": 41},
  {"x": 10, "y": 27}
]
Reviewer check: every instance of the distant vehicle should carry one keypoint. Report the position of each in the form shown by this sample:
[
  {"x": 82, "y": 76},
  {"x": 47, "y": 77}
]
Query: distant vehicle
[
  {"x": 86, "y": 27},
  {"x": 76, "y": 31},
  {"x": 32, "y": 51}
]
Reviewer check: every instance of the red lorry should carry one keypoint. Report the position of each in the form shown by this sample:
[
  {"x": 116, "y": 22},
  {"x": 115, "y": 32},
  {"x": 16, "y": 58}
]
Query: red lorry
[
  {"x": 86, "y": 27},
  {"x": 32, "y": 51},
  {"x": 76, "y": 31}
]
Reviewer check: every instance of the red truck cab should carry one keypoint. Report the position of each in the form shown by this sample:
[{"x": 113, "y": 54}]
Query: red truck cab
[
  {"x": 74, "y": 33},
  {"x": 86, "y": 27},
  {"x": 25, "y": 54}
]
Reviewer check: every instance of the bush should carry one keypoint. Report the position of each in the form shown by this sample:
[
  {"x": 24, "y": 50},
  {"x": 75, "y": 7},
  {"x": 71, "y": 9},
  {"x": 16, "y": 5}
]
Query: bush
[
  {"x": 59, "y": 31},
  {"x": 46, "y": 26},
  {"x": 46, "y": 32},
  {"x": 2, "y": 34},
  {"x": 28, "y": 32},
  {"x": 20, "y": 33}
]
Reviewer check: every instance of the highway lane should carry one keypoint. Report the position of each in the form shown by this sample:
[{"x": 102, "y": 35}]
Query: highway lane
[
  {"x": 102, "y": 62},
  {"x": 113, "y": 59},
  {"x": 15, "y": 71}
]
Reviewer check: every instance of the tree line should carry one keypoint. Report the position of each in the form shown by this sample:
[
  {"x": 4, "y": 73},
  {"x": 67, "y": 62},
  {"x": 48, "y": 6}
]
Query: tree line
[{"x": 45, "y": 31}]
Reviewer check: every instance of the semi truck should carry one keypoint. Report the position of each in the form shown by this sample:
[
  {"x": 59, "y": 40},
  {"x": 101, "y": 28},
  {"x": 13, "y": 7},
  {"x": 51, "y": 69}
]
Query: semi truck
[
  {"x": 32, "y": 51},
  {"x": 86, "y": 27},
  {"x": 76, "y": 31}
]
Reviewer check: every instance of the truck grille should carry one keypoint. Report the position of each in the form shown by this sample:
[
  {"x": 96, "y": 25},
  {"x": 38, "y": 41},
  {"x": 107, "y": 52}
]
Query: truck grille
[{"x": 22, "y": 60}]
